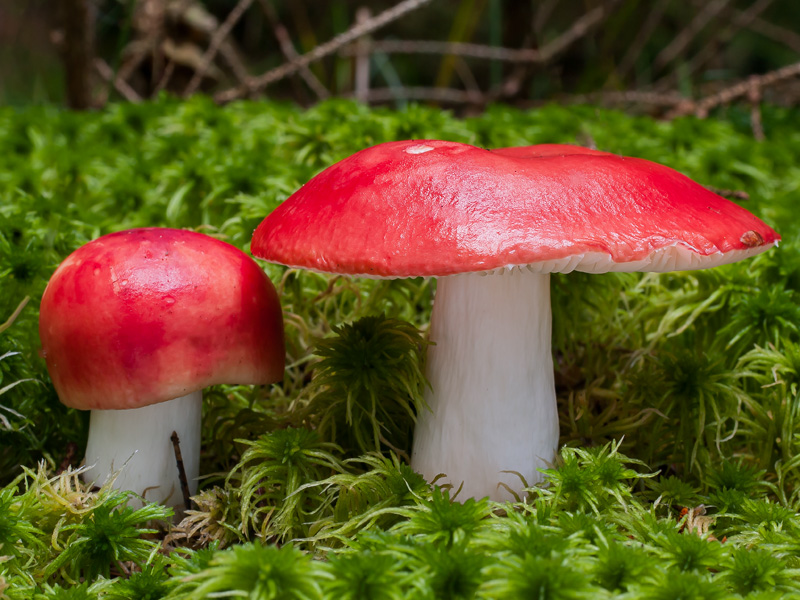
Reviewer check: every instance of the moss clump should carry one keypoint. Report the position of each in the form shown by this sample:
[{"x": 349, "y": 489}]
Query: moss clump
[{"x": 678, "y": 393}]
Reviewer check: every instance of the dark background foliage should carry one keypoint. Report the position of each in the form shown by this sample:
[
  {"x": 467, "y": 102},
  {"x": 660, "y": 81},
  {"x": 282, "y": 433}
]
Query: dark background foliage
[{"x": 657, "y": 56}]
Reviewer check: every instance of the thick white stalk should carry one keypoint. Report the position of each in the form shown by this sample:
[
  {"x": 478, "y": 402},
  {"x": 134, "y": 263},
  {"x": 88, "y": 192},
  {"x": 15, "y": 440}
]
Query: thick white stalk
[
  {"x": 135, "y": 445},
  {"x": 493, "y": 405}
]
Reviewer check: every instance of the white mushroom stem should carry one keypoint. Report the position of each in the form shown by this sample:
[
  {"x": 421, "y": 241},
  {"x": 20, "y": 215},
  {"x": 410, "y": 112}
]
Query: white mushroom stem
[
  {"x": 135, "y": 446},
  {"x": 493, "y": 405}
]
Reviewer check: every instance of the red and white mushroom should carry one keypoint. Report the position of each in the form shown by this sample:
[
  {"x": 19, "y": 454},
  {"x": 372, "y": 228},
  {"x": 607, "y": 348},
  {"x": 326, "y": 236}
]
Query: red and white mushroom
[
  {"x": 134, "y": 325},
  {"x": 492, "y": 225}
]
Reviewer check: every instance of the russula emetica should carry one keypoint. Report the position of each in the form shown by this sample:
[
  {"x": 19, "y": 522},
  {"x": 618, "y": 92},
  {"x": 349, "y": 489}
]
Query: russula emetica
[
  {"x": 492, "y": 225},
  {"x": 134, "y": 325}
]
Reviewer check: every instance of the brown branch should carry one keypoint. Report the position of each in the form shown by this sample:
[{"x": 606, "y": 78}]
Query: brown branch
[
  {"x": 473, "y": 96},
  {"x": 735, "y": 194},
  {"x": 776, "y": 32},
  {"x": 355, "y": 32},
  {"x": 287, "y": 48},
  {"x": 739, "y": 21},
  {"x": 176, "y": 447},
  {"x": 138, "y": 53},
  {"x": 169, "y": 70},
  {"x": 463, "y": 49},
  {"x": 216, "y": 41},
  {"x": 579, "y": 28},
  {"x": 122, "y": 86},
  {"x": 787, "y": 37},
  {"x": 744, "y": 87},
  {"x": 671, "y": 99},
  {"x": 362, "y": 58},
  {"x": 645, "y": 31},
  {"x": 149, "y": 27},
  {"x": 702, "y": 107},
  {"x": 230, "y": 55},
  {"x": 520, "y": 56},
  {"x": 467, "y": 77},
  {"x": 684, "y": 38}
]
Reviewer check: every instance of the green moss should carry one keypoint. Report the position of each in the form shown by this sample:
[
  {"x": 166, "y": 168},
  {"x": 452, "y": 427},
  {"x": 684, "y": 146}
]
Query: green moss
[{"x": 678, "y": 393}]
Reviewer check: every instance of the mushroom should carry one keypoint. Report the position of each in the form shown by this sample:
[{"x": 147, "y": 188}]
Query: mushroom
[
  {"x": 134, "y": 325},
  {"x": 492, "y": 226}
]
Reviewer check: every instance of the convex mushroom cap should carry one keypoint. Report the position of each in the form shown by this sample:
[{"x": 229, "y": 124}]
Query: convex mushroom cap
[
  {"x": 433, "y": 208},
  {"x": 454, "y": 211},
  {"x": 134, "y": 325},
  {"x": 146, "y": 315}
]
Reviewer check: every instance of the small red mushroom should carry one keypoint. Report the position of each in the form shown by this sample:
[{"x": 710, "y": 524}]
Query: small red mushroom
[
  {"x": 134, "y": 325},
  {"x": 492, "y": 225}
]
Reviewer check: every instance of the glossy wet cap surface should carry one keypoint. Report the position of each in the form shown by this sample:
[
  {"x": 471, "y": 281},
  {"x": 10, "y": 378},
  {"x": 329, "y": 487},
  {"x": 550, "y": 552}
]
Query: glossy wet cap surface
[
  {"x": 433, "y": 208},
  {"x": 146, "y": 315}
]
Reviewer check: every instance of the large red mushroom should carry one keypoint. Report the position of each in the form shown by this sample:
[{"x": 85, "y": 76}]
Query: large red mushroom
[
  {"x": 492, "y": 226},
  {"x": 134, "y": 325}
]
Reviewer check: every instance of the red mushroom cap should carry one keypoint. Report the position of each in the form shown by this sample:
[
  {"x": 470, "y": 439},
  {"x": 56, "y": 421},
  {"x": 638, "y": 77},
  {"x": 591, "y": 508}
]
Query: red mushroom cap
[
  {"x": 147, "y": 315},
  {"x": 432, "y": 208}
]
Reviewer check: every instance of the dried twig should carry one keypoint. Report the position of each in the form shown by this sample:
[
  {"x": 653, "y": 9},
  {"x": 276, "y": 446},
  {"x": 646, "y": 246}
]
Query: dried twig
[
  {"x": 228, "y": 52},
  {"x": 355, "y": 32},
  {"x": 787, "y": 37},
  {"x": 645, "y": 31},
  {"x": 703, "y": 106},
  {"x": 165, "y": 77},
  {"x": 682, "y": 40},
  {"x": 148, "y": 23},
  {"x": 362, "y": 58},
  {"x": 740, "y": 20},
  {"x": 15, "y": 314},
  {"x": 176, "y": 446},
  {"x": 466, "y": 50},
  {"x": 579, "y": 28},
  {"x": 735, "y": 194},
  {"x": 287, "y": 48},
  {"x": 468, "y": 78},
  {"x": 671, "y": 99},
  {"x": 122, "y": 86},
  {"x": 216, "y": 41},
  {"x": 520, "y": 56},
  {"x": 139, "y": 51}
]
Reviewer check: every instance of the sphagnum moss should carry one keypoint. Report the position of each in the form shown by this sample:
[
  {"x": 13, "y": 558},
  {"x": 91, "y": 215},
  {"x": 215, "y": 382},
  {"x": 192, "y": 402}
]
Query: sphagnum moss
[
  {"x": 368, "y": 384},
  {"x": 273, "y": 469},
  {"x": 648, "y": 348}
]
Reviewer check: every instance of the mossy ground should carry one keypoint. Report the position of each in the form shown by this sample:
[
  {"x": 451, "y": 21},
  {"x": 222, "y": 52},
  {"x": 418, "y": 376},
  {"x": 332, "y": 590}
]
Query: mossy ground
[{"x": 678, "y": 393}]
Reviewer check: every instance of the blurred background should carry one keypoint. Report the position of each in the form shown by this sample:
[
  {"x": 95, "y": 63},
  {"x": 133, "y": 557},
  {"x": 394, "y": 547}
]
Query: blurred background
[{"x": 660, "y": 57}]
